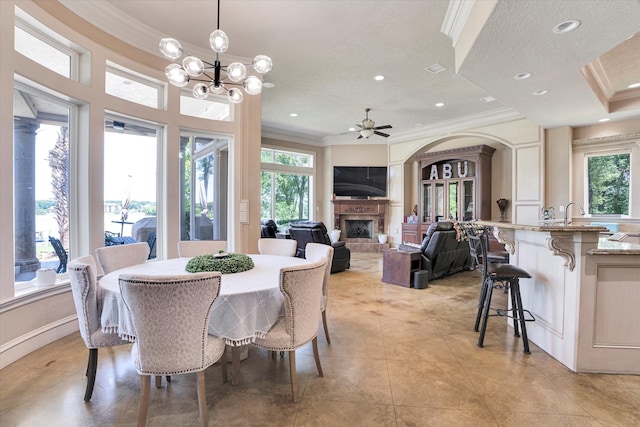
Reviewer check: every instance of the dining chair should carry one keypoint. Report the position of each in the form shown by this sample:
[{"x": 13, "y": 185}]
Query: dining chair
[
  {"x": 115, "y": 257},
  {"x": 283, "y": 247},
  {"x": 314, "y": 252},
  {"x": 302, "y": 289},
  {"x": 83, "y": 278},
  {"x": 170, "y": 315},
  {"x": 191, "y": 248}
]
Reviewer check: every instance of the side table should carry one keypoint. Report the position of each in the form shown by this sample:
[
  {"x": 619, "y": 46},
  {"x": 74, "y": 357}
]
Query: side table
[{"x": 398, "y": 266}]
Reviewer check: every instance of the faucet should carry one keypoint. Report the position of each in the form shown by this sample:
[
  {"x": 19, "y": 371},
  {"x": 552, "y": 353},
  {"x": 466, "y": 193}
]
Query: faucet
[{"x": 566, "y": 211}]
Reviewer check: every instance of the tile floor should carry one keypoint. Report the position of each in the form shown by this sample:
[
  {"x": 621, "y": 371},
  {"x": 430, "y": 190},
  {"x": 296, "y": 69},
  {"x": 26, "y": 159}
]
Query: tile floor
[{"x": 398, "y": 357}]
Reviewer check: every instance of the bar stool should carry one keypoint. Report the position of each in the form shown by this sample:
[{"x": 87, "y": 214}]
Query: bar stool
[{"x": 502, "y": 276}]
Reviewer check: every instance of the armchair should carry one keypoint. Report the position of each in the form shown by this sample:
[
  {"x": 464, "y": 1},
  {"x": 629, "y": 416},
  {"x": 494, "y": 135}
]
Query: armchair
[
  {"x": 268, "y": 229},
  {"x": 304, "y": 232}
]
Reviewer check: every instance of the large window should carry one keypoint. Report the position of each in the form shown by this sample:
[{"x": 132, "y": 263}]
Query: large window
[
  {"x": 132, "y": 86},
  {"x": 130, "y": 177},
  {"x": 608, "y": 184},
  {"x": 204, "y": 187},
  {"x": 285, "y": 186},
  {"x": 41, "y": 185}
]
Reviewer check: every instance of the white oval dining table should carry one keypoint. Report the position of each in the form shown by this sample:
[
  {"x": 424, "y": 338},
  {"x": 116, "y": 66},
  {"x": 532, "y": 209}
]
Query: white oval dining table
[{"x": 248, "y": 305}]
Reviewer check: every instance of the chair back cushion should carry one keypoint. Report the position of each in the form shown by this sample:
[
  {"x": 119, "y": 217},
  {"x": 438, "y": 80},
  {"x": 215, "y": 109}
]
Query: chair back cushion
[
  {"x": 170, "y": 315},
  {"x": 113, "y": 258},
  {"x": 284, "y": 247},
  {"x": 318, "y": 251},
  {"x": 191, "y": 248},
  {"x": 82, "y": 275},
  {"x": 302, "y": 289},
  {"x": 88, "y": 302}
]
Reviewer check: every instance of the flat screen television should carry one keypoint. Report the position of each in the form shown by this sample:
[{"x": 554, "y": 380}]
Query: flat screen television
[{"x": 360, "y": 181}]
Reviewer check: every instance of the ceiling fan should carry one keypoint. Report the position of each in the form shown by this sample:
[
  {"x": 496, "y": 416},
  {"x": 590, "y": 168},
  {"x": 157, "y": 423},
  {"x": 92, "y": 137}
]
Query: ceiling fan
[{"x": 368, "y": 127}]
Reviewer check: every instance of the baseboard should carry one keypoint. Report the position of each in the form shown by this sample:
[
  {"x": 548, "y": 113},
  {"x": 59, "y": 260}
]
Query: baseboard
[{"x": 27, "y": 343}]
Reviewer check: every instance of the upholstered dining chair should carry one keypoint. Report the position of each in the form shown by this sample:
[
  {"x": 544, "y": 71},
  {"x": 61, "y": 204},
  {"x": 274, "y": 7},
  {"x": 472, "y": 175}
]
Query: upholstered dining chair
[
  {"x": 82, "y": 275},
  {"x": 284, "y": 247},
  {"x": 170, "y": 315},
  {"x": 191, "y": 248},
  {"x": 115, "y": 257},
  {"x": 302, "y": 289},
  {"x": 314, "y": 252}
]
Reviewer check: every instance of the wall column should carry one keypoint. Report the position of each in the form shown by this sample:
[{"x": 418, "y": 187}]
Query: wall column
[{"x": 24, "y": 193}]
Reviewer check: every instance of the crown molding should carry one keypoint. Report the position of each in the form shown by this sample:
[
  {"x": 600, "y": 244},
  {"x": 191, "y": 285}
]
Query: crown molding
[
  {"x": 613, "y": 139},
  {"x": 482, "y": 119},
  {"x": 455, "y": 19},
  {"x": 110, "y": 19},
  {"x": 284, "y": 135}
]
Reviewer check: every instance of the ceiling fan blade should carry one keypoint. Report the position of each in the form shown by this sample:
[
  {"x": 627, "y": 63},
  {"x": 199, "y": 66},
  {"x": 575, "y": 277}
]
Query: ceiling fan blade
[
  {"x": 351, "y": 131},
  {"x": 386, "y": 135},
  {"x": 383, "y": 127},
  {"x": 359, "y": 137}
]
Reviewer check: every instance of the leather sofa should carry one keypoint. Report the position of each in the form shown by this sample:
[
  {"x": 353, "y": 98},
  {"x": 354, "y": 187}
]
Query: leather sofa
[
  {"x": 442, "y": 252},
  {"x": 304, "y": 232}
]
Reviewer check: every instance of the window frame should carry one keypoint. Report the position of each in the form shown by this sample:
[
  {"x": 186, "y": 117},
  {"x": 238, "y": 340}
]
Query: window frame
[
  {"x": 604, "y": 153},
  {"x": 121, "y": 71},
  {"x": 56, "y": 41},
  {"x": 34, "y": 89},
  {"x": 273, "y": 168}
]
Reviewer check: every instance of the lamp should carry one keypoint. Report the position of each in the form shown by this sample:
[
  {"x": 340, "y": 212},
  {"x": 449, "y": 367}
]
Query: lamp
[
  {"x": 209, "y": 76},
  {"x": 366, "y": 133}
]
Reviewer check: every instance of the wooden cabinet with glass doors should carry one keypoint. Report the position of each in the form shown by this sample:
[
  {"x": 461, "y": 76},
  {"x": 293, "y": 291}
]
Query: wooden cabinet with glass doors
[{"x": 453, "y": 185}]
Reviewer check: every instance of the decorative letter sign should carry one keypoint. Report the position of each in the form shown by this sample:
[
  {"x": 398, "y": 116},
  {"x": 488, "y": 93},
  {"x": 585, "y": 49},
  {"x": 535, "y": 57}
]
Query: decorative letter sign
[
  {"x": 450, "y": 170},
  {"x": 434, "y": 172},
  {"x": 446, "y": 171}
]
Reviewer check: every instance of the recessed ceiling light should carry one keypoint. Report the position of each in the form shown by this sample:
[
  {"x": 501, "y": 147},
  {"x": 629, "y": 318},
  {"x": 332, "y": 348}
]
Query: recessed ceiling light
[
  {"x": 540, "y": 92},
  {"x": 435, "y": 68},
  {"x": 606, "y": 119},
  {"x": 293, "y": 114},
  {"x": 566, "y": 26},
  {"x": 440, "y": 104},
  {"x": 487, "y": 99},
  {"x": 268, "y": 85},
  {"x": 633, "y": 85},
  {"x": 379, "y": 78},
  {"x": 352, "y": 129},
  {"x": 522, "y": 76}
]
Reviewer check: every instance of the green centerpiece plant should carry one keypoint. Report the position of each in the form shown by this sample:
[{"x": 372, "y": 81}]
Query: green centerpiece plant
[{"x": 224, "y": 263}]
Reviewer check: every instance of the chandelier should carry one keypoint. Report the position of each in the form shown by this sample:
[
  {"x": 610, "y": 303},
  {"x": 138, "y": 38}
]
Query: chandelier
[{"x": 209, "y": 75}]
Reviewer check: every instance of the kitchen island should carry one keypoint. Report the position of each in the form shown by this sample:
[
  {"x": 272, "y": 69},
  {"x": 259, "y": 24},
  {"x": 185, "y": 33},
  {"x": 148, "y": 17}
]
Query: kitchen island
[{"x": 584, "y": 294}]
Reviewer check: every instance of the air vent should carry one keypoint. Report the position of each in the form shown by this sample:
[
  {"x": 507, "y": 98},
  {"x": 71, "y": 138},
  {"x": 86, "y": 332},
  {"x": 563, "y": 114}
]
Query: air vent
[
  {"x": 487, "y": 99},
  {"x": 435, "y": 68}
]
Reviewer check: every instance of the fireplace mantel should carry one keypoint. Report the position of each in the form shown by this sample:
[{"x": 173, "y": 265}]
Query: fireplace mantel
[{"x": 360, "y": 208}]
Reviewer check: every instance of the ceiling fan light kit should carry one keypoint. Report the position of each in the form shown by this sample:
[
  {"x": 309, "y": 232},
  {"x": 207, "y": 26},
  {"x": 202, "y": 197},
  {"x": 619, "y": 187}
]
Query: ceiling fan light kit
[
  {"x": 209, "y": 75},
  {"x": 368, "y": 128}
]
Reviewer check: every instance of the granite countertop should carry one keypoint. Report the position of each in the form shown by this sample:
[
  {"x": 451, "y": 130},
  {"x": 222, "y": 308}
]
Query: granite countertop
[
  {"x": 613, "y": 247},
  {"x": 553, "y": 226},
  {"x": 605, "y": 246}
]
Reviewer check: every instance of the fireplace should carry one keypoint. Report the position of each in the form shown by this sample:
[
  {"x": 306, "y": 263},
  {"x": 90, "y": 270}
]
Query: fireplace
[
  {"x": 360, "y": 221},
  {"x": 358, "y": 228}
]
